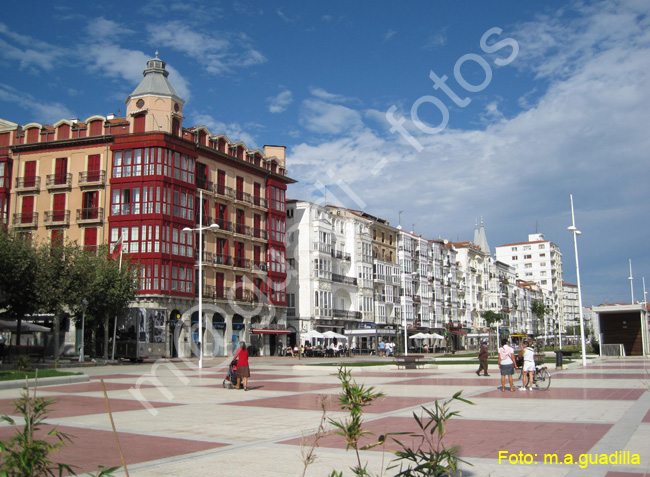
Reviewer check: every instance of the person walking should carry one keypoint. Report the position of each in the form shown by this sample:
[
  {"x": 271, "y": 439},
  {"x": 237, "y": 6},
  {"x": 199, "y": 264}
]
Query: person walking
[
  {"x": 243, "y": 371},
  {"x": 3, "y": 341},
  {"x": 483, "y": 360},
  {"x": 507, "y": 365},
  {"x": 528, "y": 353}
]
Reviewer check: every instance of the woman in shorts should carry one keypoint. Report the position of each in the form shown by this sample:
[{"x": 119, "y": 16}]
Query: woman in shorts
[
  {"x": 528, "y": 353},
  {"x": 507, "y": 364}
]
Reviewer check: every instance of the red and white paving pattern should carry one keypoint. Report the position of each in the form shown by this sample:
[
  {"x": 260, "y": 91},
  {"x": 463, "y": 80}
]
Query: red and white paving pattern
[{"x": 175, "y": 420}]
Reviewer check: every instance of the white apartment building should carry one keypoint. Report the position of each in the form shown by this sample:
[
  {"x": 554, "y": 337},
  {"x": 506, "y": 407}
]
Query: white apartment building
[
  {"x": 540, "y": 261},
  {"x": 447, "y": 290},
  {"x": 570, "y": 309},
  {"x": 521, "y": 316},
  {"x": 330, "y": 269}
]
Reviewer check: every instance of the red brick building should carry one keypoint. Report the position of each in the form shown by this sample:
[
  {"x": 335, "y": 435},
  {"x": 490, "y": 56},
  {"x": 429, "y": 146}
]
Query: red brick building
[{"x": 146, "y": 177}]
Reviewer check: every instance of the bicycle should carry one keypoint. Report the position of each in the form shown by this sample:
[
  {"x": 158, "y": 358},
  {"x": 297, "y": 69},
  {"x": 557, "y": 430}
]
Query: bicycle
[{"x": 541, "y": 377}]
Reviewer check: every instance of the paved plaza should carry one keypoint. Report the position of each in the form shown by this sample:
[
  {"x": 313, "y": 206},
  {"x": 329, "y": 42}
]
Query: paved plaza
[{"x": 176, "y": 420}]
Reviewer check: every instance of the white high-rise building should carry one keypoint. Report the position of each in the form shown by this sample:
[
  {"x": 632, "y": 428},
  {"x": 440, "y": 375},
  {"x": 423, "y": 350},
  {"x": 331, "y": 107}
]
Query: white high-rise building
[{"x": 540, "y": 261}]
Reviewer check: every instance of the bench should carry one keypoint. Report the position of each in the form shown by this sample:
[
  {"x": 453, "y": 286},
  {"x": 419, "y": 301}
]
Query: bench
[
  {"x": 38, "y": 352},
  {"x": 411, "y": 361}
]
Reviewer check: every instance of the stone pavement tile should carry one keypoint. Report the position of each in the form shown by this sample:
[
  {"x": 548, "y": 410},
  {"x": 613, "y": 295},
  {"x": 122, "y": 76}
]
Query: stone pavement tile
[
  {"x": 310, "y": 401},
  {"x": 89, "y": 387},
  {"x": 268, "y": 461},
  {"x": 605, "y": 376},
  {"x": 626, "y": 474},
  {"x": 91, "y": 448},
  {"x": 447, "y": 381},
  {"x": 72, "y": 405},
  {"x": 396, "y": 374},
  {"x": 484, "y": 439},
  {"x": 111, "y": 376},
  {"x": 646, "y": 418},
  {"x": 639, "y": 443},
  {"x": 569, "y": 393},
  {"x": 551, "y": 410},
  {"x": 255, "y": 386}
]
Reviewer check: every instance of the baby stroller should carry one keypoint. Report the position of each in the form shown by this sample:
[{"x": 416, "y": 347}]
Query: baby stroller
[{"x": 231, "y": 378}]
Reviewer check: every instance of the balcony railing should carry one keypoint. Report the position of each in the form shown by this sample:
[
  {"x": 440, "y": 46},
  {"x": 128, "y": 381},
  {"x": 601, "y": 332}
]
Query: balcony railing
[
  {"x": 345, "y": 314},
  {"x": 214, "y": 293},
  {"x": 242, "y": 229},
  {"x": 242, "y": 196},
  {"x": 205, "y": 184},
  {"x": 220, "y": 259},
  {"x": 343, "y": 279},
  {"x": 28, "y": 183},
  {"x": 57, "y": 217},
  {"x": 223, "y": 191},
  {"x": 87, "y": 178},
  {"x": 240, "y": 262},
  {"x": 56, "y": 181},
  {"x": 224, "y": 225},
  {"x": 27, "y": 219},
  {"x": 259, "y": 233},
  {"x": 260, "y": 202},
  {"x": 94, "y": 214},
  {"x": 262, "y": 266}
]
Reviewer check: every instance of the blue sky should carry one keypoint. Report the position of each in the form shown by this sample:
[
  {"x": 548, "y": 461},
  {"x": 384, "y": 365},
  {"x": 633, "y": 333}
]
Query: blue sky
[{"x": 552, "y": 99}]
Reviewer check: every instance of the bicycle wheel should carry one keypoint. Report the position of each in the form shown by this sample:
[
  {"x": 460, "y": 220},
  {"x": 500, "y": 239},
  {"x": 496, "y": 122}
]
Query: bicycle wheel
[
  {"x": 519, "y": 372},
  {"x": 542, "y": 379}
]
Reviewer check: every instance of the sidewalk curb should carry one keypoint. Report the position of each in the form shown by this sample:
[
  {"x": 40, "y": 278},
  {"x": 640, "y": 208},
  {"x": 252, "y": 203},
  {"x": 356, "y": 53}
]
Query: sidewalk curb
[{"x": 45, "y": 381}]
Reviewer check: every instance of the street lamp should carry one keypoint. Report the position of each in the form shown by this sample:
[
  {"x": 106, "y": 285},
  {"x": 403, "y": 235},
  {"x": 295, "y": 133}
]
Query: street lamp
[
  {"x": 575, "y": 233},
  {"x": 200, "y": 229},
  {"x": 84, "y": 305}
]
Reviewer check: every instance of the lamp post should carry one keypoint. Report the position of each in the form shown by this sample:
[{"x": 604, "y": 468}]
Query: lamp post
[
  {"x": 575, "y": 233},
  {"x": 200, "y": 229},
  {"x": 84, "y": 305}
]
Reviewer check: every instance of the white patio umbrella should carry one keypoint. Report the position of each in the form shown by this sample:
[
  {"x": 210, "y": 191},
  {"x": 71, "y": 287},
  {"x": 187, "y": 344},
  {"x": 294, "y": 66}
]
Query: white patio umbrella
[
  {"x": 332, "y": 334},
  {"x": 436, "y": 336},
  {"x": 419, "y": 336},
  {"x": 310, "y": 335}
]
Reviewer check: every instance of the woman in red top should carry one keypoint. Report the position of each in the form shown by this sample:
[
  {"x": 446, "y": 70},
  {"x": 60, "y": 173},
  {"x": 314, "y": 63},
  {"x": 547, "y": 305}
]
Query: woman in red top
[{"x": 243, "y": 371}]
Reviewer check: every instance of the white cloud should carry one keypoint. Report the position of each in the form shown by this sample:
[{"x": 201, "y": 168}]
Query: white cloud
[
  {"x": 331, "y": 97},
  {"x": 218, "y": 54},
  {"x": 389, "y": 34},
  {"x": 29, "y": 53},
  {"x": 586, "y": 136},
  {"x": 42, "y": 112},
  {"x": 113, "y": 61},
  {"x": 280, "y": 103},
  {"x": 325, "y": 118},
  {"x": 105, "y": 30},
  {"x": 235, "y": 131}
]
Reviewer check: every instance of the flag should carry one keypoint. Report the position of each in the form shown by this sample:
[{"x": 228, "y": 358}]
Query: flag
[{"x": 117, "y": 249}]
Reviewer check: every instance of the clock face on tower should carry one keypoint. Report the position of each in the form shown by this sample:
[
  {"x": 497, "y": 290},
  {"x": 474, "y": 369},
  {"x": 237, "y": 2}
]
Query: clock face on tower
[
  {"x": 140, "y": 103},
  {"x": 176, "y": 107}
]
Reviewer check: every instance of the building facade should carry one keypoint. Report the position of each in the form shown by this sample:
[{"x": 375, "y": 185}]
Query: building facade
[
  {"x": 540, "y": 261},
  {"x": 145, "y": 179}
]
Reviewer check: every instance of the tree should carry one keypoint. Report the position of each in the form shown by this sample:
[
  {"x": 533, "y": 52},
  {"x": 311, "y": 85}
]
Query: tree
[
  {"x": 540, "y": 311},
  {"x": 55, "y": 279},
  {"x": 109, "y": 291},
  {"x": 58, "y": 284},
  {"x": 491, "y": 318},
  {"x": 18, "y": 285}
]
